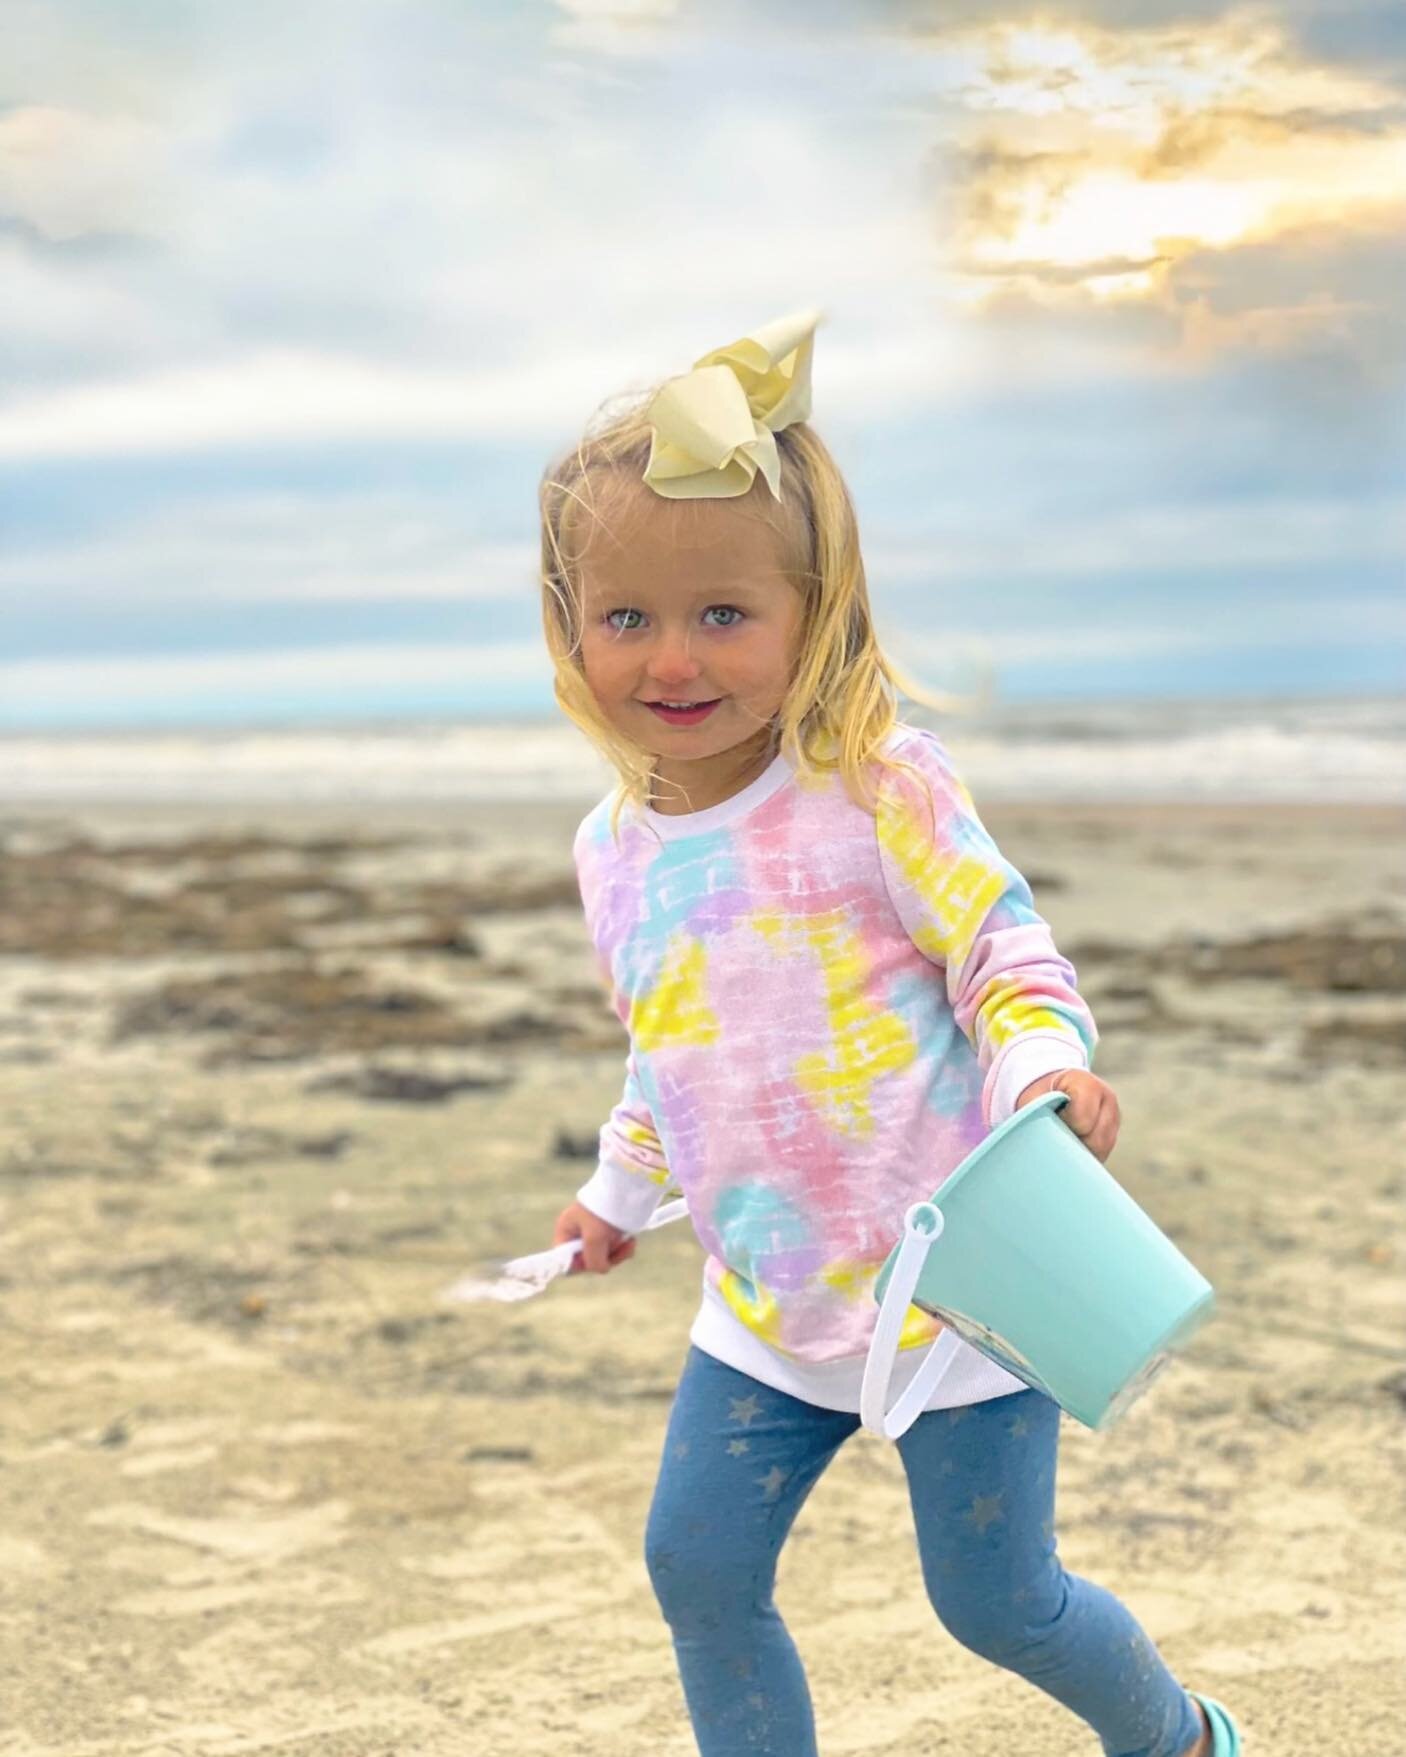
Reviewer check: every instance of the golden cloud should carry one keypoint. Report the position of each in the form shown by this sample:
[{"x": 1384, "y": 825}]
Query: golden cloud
[{"x": 1090, "y": 164}]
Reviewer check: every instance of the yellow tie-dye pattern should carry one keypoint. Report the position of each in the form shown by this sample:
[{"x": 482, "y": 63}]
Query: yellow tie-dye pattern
[
  {"x": 918, "y": 1329},
  {"x": 957, "y": 893},
  {"x": 760, "y": 1314},
  {"x": 1006, "y": 1012},
  {"x": 867, "y": 1042},
  {"x": 849, "y": 1278},
  {"x": 856, "y": 1281},
  {"x": 640, "y": 1136},
  {"x": 674, "y": 1011}
]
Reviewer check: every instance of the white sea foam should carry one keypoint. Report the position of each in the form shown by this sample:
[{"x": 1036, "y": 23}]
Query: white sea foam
[{"x": 1348, "y": 750}]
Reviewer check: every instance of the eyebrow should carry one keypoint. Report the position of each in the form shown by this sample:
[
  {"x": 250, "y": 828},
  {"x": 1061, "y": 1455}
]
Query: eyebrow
[{"x": 713, "y": 595}]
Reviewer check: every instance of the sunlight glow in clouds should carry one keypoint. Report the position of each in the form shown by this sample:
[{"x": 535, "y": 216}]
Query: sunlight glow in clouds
[{"x": 1101, "y": 160}]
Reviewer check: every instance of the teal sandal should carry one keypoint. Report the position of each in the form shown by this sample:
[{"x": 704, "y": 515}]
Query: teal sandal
[{"x": 1225, "y": 1735}]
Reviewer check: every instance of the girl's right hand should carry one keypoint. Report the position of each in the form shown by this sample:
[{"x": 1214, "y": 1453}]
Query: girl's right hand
[{"x": 603, "y": 1246}]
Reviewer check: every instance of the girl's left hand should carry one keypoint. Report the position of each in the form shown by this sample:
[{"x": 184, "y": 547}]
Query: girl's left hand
[{"x": 1092, "y": 1110}]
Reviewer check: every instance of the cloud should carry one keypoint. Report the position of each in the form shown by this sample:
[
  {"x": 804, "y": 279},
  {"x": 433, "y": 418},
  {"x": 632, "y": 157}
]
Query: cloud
[
  {"x": 67, "y": 173},
  {"x": 288, "y": 396},
  {"x": 275, "y": 549},
  {"x": 615, "y": 28},
  {"x": 200, "y": 686},
  {"x": 1261, "y": 538},
  {"x": 1341, "y": 270},
  {"x": 1108, "y": 645},
  {"x": 1366, "y": 33},
  {"x": 1091, "y": 164}
]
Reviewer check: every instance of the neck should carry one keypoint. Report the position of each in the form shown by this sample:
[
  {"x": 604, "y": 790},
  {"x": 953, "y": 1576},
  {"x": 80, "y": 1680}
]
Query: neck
[{"x": 709, "y": 780}]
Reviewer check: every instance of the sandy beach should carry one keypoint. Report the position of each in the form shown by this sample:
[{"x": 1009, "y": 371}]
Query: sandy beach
[{"x": 271, "y": 1078}]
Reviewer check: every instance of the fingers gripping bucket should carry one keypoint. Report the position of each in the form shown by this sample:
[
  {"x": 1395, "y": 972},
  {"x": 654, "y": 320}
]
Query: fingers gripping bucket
[{"x": 1038, "y": 1257}]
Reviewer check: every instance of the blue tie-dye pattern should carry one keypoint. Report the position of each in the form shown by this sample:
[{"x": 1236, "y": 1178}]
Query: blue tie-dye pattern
[
  {"x": 955, "y": 1090},
  {"x": 968, "y": 837},
  {"x": 693, "y": 888},
  {"x": 919, "y": 997},
  {"x": 644, "y": 1075},
  {"x": 697, "y": 885},
  {"x": 756, "y": 1224},
  {"x": 971, "y": 838},
  {"x": 637, "y": 965},
  {"x": 921, "y": 1000}
]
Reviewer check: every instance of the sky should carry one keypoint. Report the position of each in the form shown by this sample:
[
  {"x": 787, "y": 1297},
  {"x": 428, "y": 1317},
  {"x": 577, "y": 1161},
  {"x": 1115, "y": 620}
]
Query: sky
[{"x": 296, "y": 303}]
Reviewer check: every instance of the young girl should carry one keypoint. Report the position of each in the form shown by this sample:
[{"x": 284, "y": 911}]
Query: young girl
[{"x": 834, "y": 986}]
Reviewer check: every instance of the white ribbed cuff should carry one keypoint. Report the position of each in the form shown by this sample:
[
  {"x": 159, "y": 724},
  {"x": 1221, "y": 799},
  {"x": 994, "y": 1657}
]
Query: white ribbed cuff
[
  {"x": 1023, "y": 1060},
  {"x": 622, "y": 1198}
]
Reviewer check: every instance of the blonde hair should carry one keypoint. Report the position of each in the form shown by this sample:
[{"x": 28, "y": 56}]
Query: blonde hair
[{"x": 841, "y": 704}]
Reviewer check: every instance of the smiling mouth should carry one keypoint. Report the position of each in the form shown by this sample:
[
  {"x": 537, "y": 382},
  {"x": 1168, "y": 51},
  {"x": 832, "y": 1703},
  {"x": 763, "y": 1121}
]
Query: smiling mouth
[{"x": 687, "y": 715}]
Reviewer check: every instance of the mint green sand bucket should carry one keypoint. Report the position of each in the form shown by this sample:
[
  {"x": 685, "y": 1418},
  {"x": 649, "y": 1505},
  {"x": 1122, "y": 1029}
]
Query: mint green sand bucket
[{"x": 1038, "y": 1257}]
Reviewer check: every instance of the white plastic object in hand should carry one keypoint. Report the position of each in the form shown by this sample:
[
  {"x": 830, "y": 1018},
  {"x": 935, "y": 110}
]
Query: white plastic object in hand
[
  {"x": 522, "y": 1277},
  {"x": 922, "y": 1227}
]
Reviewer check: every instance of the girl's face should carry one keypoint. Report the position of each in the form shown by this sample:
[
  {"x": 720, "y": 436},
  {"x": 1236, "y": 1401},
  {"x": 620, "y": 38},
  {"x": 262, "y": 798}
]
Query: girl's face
[{"x": 692, "y": 608}]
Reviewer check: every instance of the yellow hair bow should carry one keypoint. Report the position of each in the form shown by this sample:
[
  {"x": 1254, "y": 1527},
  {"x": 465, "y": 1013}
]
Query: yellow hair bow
[{"x": 715, "y": 426}]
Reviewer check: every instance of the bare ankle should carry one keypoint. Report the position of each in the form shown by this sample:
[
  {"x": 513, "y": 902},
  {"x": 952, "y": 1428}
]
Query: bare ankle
[{"x": 1202, "y": 1747}]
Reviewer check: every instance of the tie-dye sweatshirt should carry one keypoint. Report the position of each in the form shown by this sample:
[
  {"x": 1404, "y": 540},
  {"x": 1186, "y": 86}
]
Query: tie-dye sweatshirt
[{"x": 827, "y": 1010}]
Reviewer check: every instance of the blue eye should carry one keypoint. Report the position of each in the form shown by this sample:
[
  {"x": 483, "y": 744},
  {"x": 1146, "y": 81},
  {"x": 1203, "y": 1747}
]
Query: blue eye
[{"x": 730, "y": 609}]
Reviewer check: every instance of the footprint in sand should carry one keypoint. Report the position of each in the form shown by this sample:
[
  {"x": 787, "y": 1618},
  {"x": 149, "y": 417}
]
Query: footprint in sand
[{"x": 249, "y": 1537}]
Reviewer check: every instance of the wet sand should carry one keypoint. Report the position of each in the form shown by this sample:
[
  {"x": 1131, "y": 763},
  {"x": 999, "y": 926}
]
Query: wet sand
[{"x": 270, "y": 1079}]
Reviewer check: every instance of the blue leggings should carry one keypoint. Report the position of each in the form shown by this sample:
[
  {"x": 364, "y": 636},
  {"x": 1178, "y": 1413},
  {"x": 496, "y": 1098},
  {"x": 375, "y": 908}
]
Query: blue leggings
[{"x": 740, "y": 1459}]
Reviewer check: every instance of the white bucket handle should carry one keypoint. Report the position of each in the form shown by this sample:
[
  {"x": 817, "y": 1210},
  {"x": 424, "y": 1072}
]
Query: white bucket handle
[{"x": 922, "y": 1227}]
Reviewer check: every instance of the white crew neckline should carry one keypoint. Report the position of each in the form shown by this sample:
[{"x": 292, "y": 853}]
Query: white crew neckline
[{"x": 672, "y": 825}]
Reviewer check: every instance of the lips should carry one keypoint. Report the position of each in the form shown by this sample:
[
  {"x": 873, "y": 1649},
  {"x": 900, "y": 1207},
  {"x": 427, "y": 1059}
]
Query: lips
[{"x": 689, "y": 716}]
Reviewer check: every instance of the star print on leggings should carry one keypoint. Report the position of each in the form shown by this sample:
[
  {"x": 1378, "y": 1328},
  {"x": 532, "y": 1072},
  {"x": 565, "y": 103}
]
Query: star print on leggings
[
  {"x": 773, "y": 1482},
  {"x": 744, "y": 1409},
  {"x": 985, "y": 1510}
]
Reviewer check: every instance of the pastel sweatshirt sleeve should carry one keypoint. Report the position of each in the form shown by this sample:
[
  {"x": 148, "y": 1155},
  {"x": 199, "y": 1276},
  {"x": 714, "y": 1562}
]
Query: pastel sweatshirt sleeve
[
  {"x": 631, "y": 1174},
  {"x": 970, "y": 911}
]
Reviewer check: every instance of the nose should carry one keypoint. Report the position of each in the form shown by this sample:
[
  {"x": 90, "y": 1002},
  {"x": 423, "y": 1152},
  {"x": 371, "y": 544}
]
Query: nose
[{"x": 669, "y": 659}]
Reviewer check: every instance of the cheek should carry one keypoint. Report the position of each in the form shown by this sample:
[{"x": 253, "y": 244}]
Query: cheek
[
  {"x": 766, "y": 666},
  {"x": 601, "y": 663}
]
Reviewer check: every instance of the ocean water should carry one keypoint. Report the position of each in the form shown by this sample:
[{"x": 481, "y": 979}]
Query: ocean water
[{"x": 1240, "y": 751}]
